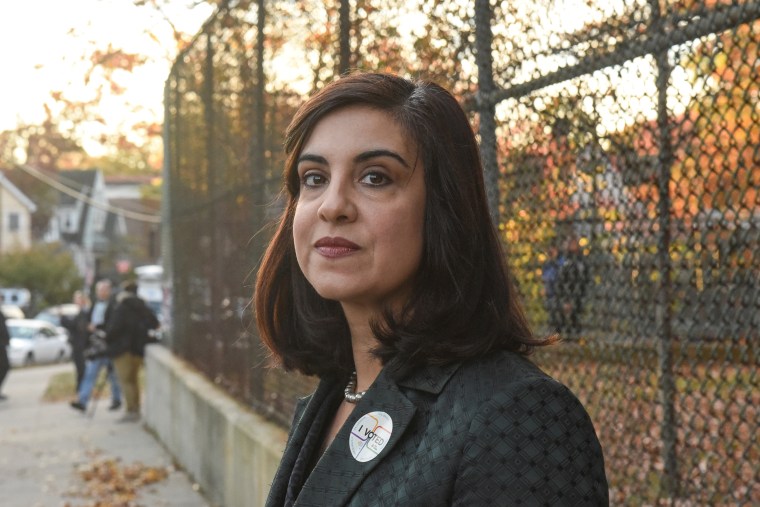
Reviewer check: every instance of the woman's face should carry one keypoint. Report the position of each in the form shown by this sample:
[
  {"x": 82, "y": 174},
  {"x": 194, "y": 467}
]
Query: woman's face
[{"x": 358, "y": 225}]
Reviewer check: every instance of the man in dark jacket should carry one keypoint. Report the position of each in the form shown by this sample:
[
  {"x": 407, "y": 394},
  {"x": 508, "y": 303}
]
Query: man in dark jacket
[
  {"x": 127, "y": 334},
  {"x": 78, "y": 328},
  {"x": 5, "y": 340}
]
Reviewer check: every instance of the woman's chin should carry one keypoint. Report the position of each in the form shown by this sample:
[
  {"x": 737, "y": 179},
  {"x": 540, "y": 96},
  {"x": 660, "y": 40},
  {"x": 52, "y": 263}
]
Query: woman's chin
[{"x": 337, "y": 294}]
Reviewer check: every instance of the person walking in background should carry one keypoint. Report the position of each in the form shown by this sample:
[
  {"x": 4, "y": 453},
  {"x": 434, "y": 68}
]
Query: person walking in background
[
  {"x": 549, "y": 274},
  {"x": 572, "y": 282},
  {"x": 127, "y": 333},
  {"x": 5, "y": 340},
  {"x": 77, "y": 327},
  {"x": 96, "y": 356}
]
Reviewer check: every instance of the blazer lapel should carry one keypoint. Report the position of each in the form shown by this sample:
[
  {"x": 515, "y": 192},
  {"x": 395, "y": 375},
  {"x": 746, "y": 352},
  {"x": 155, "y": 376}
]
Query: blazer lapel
[
  {"x": 338, "y": 473},
  {"x": 306, "y": 411}
]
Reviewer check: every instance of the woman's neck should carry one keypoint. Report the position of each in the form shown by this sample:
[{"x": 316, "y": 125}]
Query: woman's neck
[{"x": 363, "y": 340}]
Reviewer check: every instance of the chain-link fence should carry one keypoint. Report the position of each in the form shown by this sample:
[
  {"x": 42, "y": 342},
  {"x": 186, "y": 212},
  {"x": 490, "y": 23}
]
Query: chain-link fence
[{"x": 620, "y": 140}]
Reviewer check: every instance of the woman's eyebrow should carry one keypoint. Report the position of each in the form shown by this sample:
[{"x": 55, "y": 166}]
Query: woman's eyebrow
[
  {"x": 362, "y": 157},
  {"x": 308, "y": 157},
  {"x": 367, "y": 155}
]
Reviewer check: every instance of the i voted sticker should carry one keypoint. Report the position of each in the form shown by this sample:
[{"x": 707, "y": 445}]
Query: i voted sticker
[{"x": 370, "y": 435}]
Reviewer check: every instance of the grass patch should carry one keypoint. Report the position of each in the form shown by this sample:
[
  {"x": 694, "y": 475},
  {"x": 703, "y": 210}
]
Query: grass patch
[{"x": 62, "y": 386}]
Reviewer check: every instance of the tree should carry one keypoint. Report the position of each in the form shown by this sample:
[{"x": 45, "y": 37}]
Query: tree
[
  {"x": 45, "y": 146},
  {"x": 722, "y": 152},
  {"x": 46, "y": 270},
  {"x": 77, "y": 116}
]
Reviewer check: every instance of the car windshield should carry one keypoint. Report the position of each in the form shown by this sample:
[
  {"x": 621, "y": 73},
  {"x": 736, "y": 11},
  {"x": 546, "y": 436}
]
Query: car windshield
[
  {"x": 22, "y": 332},
  {"x": 49, "y": 317}
]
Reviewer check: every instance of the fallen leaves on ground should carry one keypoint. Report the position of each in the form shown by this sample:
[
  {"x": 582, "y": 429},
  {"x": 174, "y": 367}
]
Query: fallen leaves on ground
[{"x": 109, "y": 483}]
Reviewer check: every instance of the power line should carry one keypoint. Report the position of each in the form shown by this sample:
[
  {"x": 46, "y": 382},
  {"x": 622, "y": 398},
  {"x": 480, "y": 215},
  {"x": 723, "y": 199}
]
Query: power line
[
  {"x": 81, "y": 187},
  {"x": 133, "y": 215}
]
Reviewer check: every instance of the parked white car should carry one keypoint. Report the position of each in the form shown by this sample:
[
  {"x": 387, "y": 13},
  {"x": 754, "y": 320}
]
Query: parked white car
[
  {"x": 36, "y": 341},
  {"x": 53, "y": 314}
]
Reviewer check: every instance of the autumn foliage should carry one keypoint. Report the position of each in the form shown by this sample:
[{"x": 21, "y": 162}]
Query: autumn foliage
[{"x": 109, "y": 483}]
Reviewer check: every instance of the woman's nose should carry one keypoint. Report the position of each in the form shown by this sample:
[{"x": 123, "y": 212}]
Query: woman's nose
[{"x": 338, "y": 202}]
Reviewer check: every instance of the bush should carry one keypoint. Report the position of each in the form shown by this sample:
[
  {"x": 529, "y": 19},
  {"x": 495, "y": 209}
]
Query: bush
[{"x": 47, "y": 270}]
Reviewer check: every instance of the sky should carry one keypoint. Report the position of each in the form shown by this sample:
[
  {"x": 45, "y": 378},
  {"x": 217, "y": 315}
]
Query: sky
[{"x": 42, "y": 41}]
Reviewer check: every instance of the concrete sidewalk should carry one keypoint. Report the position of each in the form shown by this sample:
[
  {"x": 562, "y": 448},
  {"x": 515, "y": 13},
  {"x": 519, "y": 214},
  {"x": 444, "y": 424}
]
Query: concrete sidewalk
[{"x": 42, "y": 446}]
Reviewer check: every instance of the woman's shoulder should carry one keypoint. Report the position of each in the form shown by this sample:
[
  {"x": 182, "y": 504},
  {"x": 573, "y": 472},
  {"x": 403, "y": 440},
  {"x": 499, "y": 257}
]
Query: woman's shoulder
[
  {"x": 527, "y": 417},
  {"x": 505, "y": 379},
  {"x": 501, "y": 369},
  {"x": 483, "y": 375}
]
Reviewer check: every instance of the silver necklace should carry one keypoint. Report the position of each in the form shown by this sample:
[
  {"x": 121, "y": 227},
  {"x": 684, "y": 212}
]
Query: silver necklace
[{"x": 349, "y": 393}]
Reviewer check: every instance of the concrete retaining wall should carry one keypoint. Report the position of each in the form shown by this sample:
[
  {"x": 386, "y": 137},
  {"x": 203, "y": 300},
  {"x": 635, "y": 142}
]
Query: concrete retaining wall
[{"x": 230, "y": 451}]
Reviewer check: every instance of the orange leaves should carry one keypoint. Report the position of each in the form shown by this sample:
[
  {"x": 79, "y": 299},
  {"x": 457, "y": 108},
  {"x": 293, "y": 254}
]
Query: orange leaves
[
  {"x": 109, "y": 483},
  {"x": 692, "y": 5},
  {"x": 116, "y": 89},
  {"x": 722, "y": 147},
  {"x": 107, "y": 62},
  {"x": 149, "y": 129},
  {"x": 123, "y": 143},
  {"x": 113, "y": 58}
]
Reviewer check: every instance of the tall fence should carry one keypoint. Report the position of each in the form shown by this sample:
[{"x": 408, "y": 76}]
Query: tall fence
[{"x": 620, "y": 142}]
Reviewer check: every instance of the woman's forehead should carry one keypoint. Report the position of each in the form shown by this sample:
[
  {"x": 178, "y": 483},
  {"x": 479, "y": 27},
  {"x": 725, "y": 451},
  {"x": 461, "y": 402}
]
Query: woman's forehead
[{"x": 358, "y": 127}]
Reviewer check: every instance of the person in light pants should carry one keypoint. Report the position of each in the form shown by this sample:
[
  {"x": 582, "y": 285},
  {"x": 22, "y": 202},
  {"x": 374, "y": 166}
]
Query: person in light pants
[{"x": 100, "y": 314}]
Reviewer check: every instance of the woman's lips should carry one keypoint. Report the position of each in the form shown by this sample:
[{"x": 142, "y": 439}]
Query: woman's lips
[{"x": 335, "y": 247}]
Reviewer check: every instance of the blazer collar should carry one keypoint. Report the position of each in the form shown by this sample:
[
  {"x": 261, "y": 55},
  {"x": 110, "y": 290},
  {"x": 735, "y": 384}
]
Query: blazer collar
[
  {"x": 338, "y": 474},
  {"x": 430, "y": 379}
]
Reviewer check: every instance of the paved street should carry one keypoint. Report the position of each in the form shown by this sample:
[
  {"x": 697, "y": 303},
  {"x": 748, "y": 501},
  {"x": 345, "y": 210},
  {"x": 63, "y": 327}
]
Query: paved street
[{"x": 43, "y": 446}]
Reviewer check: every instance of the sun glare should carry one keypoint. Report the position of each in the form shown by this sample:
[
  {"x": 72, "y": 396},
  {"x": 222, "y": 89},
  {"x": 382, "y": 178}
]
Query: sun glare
[{"x": 44, "y": 43}]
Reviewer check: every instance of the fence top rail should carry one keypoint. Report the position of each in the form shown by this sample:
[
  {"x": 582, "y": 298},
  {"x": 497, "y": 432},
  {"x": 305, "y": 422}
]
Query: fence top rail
[{"x": 672, "y": 30}]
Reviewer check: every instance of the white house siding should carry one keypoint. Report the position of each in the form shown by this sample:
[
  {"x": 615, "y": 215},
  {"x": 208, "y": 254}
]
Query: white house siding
[{"x": 15, "y": 218}]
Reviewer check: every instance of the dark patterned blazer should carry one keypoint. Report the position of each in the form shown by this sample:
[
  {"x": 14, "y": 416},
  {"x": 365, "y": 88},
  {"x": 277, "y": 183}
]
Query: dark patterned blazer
[{"x": 490, "y": 431}]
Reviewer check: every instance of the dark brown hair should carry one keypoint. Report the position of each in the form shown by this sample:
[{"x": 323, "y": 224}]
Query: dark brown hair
[{"x": 463, "y": 303}]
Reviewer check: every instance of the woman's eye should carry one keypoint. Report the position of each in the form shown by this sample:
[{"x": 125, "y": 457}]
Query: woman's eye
[
  {"x": 312, "y": 179},
  {"x": 374, "y": 179}
]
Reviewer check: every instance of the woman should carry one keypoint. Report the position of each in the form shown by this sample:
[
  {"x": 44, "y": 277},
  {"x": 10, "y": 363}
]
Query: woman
[{"x": 386, "y": 279}]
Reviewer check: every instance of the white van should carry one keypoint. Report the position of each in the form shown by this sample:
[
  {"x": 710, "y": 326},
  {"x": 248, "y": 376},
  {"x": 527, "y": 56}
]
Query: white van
[
  {"x": 12, "y": 312},
  {"x": 149, "y": 279}
]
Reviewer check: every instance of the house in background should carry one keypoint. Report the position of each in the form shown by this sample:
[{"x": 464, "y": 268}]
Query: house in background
[
  {"x": 82, "y": 222},
  {"x": 15, "y": 217},
  {"x": 125, "y": 192}
]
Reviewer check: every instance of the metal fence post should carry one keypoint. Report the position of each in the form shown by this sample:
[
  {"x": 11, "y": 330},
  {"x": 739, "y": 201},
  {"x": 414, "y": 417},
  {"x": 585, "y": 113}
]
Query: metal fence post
[
  {"x": 666, "y": 382},
  {"x": 167, "y": 227},
  {"x": 344, "y": 29},
  {"x": 209, "y": 117},
  {"x": 486, "y": 105},
  {"x": 259, "y": 184}
]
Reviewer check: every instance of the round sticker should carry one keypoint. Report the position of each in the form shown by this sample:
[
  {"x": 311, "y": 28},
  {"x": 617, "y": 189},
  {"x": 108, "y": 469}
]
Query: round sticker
[{"x": 370, "y": 435}]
